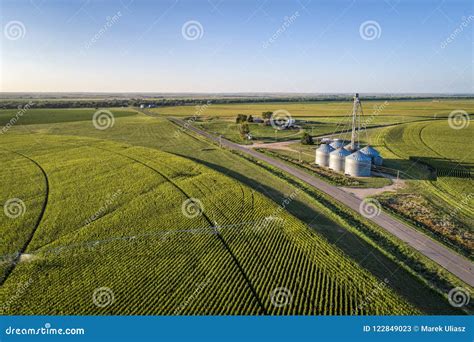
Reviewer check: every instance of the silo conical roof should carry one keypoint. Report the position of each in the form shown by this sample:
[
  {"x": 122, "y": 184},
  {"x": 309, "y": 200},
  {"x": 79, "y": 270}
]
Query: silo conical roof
[
  {"x": 337, "y": 143},
  {"x": 325, "y": 148},
  {"x": 359, "y": 156},
  {"x": 370, "y": 151},
  {"x": 341, "y": 152}
]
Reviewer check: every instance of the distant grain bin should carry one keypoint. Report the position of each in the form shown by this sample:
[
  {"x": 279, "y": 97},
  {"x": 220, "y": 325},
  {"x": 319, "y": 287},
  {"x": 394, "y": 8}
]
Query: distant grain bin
[
  {"x": 358, "y": 165},
  {"x": 337, "y": 143},
  {"x": 322, "y": 154},
  {"x": 373, "y": 154},
  {"x": 326, "y": 140},
  {"x": 337, "y": 159}
]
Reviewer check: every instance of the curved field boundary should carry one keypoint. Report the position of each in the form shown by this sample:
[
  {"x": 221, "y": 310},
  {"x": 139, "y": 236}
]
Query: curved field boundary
[
  {"x": 262, "y": 246},
  {"x": 329, "y": 135},
  {"x": 217, "y": 233},
  {"x": 420, "y": 135},
  {"x": 449, "y": 198},
  {"x": 12, "y": 266},
  {"x": 445, "y": 196}
]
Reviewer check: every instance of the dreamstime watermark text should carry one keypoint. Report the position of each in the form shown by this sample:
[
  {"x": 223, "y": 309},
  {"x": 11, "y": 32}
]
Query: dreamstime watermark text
[
  {"x": 378, "y": 289},
  {"x": 103, "y": 209},
  {"x": 200, "y": 109},
  {"x": 46, "y": 330},
  {"x": 287, "y": 22},
  {"x": 22, "y": 287},
  {"x": 191, "y": 298},
  {"x": 466, "y": 21},
  {"x": 21, "y": 111},
  {"x": 378, "y": 109},
  {"x": 110, "y": 21}
]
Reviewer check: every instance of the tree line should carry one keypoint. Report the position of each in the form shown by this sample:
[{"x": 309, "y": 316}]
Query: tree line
[{"x": 136, "y": 102}]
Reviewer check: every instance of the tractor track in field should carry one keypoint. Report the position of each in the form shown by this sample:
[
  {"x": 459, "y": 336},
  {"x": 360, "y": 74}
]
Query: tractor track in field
[
  {"x": 265, "y": 249},
  {"x": 12, "y": 266},
  {"x": 438, "y": 253},
  {"x": 420, "y": 136},
  {"x": 218, "y": 234},
  {"x": 446, "y": 196}
]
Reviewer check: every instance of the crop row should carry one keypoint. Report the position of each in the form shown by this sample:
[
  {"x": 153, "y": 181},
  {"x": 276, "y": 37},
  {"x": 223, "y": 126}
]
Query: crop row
[{"x": 256, "y": 259}]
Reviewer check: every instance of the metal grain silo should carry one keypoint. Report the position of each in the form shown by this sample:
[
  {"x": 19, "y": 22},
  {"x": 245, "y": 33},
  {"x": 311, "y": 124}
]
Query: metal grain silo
[
  {"x": 322, "y": 154},
  {"x": 377, "y": 160},
  {"x": 337, "y": 143},
  {"x": 358, "y": 165},
  {"x": 337, "y": 159},
  {"x": 373, "y": 154}
]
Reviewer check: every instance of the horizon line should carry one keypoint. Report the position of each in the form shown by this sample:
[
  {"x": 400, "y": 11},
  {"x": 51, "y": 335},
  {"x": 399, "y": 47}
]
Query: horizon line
[{"x": 236, "y": 93}]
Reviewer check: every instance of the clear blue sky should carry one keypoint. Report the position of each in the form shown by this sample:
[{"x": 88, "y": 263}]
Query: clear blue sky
[{"x": 321, "y": 49}]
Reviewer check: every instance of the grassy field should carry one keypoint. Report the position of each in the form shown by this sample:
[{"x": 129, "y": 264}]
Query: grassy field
[
  {"x": 32, "y": 116},
  {"x": 266, "y": 133},
  {"x": 443, "y": 206},
  {"x": 445, "y": 149},
  {"x": 421, "y": 108},
  {"x": 144, "y": 232},
  {"x": 260, "y": 132},
  {"x": 317, "y": 118},
  {"x": 114, "y": 200},
  {"x": 424, "y": 134}
]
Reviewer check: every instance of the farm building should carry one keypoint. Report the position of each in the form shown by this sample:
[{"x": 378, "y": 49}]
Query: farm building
[{"x": 289, "y": 123}]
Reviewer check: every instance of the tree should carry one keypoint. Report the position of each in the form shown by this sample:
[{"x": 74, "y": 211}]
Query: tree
[
  {"x": 267, "y": 115},
  {"x": 240, "y": 118},
  {"x": 244, "y": 130},
  {"x": 250, "y": 118},
  {"x": 307, "y": 139}
]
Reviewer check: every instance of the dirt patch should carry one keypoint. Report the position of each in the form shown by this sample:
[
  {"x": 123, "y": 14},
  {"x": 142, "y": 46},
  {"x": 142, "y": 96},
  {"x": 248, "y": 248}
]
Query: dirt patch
[
  {"x": 362, "y": 193},
  {"x": 26, "y": 257},
  {"x": 282, "y": 145}
]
